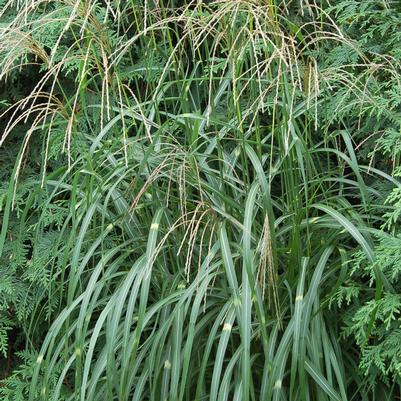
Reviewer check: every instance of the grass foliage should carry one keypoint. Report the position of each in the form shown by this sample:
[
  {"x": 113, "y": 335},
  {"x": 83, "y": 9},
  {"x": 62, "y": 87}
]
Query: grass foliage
[{"x": 192, "y": 198}]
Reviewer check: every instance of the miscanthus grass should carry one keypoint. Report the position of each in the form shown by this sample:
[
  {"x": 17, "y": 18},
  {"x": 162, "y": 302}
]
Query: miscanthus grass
[{"x": 201, "y": 199}]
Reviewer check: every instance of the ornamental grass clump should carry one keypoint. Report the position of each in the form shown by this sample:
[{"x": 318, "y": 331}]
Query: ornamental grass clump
[{"x": 184, "y": 193}]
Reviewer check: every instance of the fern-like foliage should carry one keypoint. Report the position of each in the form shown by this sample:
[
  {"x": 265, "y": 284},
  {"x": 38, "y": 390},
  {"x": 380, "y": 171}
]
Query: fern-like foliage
[
  {"x": 16, "y": 387},
  {"x": 374, "y": 322}
]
